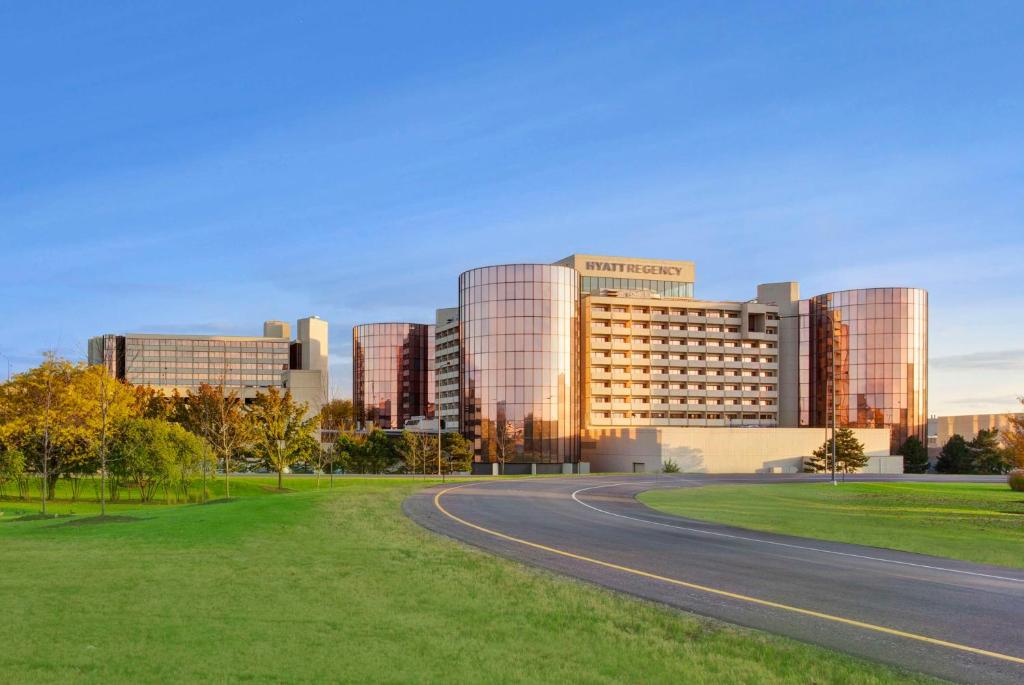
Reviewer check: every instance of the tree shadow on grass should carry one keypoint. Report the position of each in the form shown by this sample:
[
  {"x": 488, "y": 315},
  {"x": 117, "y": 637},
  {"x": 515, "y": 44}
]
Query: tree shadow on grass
[
  {"x": 219, "y": 500},
  {"x": 101, "y": 520},
  {"x": 36, "y": 517},
  {"x": 275, "y": 489}
]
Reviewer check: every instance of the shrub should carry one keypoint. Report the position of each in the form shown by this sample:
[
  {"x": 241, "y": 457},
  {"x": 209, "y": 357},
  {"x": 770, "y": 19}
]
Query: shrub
[
  {"x": 670, "y": 467},
  {"x": 1016, "y": 480}
]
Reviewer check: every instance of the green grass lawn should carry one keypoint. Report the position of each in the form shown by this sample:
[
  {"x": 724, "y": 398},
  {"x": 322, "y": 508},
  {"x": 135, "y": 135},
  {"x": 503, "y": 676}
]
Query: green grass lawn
[
  {"x": 338, "y": 585},
  {"x": 979, "y": 522}
]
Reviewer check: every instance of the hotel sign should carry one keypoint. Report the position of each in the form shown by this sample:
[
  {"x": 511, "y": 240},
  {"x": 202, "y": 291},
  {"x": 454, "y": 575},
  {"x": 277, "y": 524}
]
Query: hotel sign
[
  {"x": 603, "y": 266},
  {"x": 616, "y": 268}
]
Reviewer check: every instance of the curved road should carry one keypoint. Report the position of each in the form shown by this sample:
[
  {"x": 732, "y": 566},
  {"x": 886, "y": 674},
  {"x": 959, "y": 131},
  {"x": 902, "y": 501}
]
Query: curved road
[{"x": 951, "y": 619}]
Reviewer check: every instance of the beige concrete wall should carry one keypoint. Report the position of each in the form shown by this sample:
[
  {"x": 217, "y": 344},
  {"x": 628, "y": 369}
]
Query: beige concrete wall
[
  {"x": 307, "y": 386},
  {"x": 715, "y": 450},
  {"x": 786, "y": 296},
  {"x": 968, "y": 425}
]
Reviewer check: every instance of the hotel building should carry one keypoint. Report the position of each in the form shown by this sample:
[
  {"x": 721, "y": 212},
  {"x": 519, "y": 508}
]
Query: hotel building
[
  {"x": 613, "y": 361},
  {"x": 245, "y": 365}
]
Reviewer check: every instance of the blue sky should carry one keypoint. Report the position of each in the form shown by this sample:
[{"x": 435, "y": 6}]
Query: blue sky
[{"x": 183, "y": 167}]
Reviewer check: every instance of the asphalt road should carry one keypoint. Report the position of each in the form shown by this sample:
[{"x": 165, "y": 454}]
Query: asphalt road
[{"x": 952, "y": 619}]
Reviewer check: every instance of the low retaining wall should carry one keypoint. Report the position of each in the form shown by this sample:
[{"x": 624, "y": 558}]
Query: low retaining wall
[{"x": 720, "y": 450}]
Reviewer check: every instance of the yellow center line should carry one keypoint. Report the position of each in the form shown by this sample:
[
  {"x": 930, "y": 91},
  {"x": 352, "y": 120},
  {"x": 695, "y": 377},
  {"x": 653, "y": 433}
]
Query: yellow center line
[{"x": 722, "y": 593}]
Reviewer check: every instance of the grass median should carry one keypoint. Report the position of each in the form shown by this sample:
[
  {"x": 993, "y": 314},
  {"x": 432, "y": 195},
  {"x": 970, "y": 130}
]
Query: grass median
[
  {"x": 980, "y": 522},
  {"x": 337, "y": 585}
]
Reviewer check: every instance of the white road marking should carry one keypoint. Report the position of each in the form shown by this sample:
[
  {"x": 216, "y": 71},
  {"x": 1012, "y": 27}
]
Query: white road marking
[{"x": 770, "y": 542}]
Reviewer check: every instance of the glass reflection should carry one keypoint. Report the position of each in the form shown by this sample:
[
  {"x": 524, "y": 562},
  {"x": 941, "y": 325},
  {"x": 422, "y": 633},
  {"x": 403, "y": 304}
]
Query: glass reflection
[
  {"x": 874, "y": 344},
  {"x": 519, "y": 362},
  {"x": 392, "y": 372}
]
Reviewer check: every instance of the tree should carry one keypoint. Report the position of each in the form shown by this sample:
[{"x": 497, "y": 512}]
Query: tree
[
  {"x": 987, "y": 455},
  {"x": 955, "y": 456},
  {"x": 218, "y": 418},
  {"x": 115, "y": 402},
  {"x": 670, "y": 466},
  {"x": 144, "y": 453},
  {"x": 915, "y": 455},
  {"x": 282, "y": 433},
  {"x": 418, "y": 452},
  {"x": 506, "y": 435},
  {"x": 457, "y": 453},
  {"x": 1014, "y": 438},
  {"x": 849, "y": 454},
  {"x": 43, "y": 416},
  {"x": 338, "y": 415},
  {"x": 12, "y": 468},
  {"x": 347, "y": 450},
  {"x": 318, "y": 458},
  {"x": 192, "y": 458},
  {"x": 373, "y": 453}
]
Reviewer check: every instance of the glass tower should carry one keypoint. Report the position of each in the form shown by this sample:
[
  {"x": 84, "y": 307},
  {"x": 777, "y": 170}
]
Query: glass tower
[{"x": 519, "y": 362}]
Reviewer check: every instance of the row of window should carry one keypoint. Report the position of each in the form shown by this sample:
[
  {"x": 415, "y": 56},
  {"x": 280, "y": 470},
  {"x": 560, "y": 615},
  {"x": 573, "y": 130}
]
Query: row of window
[
  {"x": 764, "y": 419},
  {"x": 732, "y": 387},
  {"x": 601, "y": 309},
  {"x": 745, "y": 401}
]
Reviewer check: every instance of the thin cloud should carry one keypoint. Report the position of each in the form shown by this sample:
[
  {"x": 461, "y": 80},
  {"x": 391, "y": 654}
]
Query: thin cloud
[{"x": 1002, "y": 360}]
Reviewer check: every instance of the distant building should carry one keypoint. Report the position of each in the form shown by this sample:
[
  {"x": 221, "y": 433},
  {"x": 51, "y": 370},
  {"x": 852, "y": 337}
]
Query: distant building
[
  {"x": 546, "y": 364},
  {"x": 392, "y": 373},
  {"x": 968, "y": 426},
  {"x": 446, "y": 367},
  {"x": 246, "y": 365}
]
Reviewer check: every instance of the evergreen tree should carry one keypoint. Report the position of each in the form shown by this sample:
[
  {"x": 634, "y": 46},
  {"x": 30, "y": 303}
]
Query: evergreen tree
[
  {"x": 987, "y": 455},
  {"x": 955, "y": 456},
  {"x": 849, "y": 454},
  {"x": 915, "y": 456}
]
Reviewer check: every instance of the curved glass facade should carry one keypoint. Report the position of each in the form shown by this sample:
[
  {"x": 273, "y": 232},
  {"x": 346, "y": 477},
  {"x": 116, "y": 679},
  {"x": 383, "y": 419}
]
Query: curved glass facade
[
  {"x": 392, "y": 372},
  {"x": 519, "y": 362},
  {"x": 874, "y": 344}
]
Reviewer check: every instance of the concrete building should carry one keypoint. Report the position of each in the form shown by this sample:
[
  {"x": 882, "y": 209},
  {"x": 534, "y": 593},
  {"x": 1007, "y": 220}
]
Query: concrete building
[
  {"x": 446, "y": 367},
  {"x": 968, "y": 426},
  {"x": 540, "y": 356},
  {"x": 246, "y": 365}
]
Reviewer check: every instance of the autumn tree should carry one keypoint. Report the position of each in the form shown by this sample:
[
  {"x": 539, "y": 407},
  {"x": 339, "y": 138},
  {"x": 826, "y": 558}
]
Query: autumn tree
[
  {"x": 42, "y": 415},
  {"x": 1013, "y": 438},
  {"x": 219, "y": 418},
  {"x": 849, "y": 454},
  {"x": 115, "y": 402},
  {"x": 281, "y": 432},
  {"x": 337, "y": 415}
]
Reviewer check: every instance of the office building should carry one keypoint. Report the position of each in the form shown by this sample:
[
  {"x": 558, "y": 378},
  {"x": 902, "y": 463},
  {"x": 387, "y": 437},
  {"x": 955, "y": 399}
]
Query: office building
[
  {"x": 446, "y": 367},
  {"x": 392, "y": 373},
  {"x": 556, "y": 362},
  {"x": 968, "y": 426},
  {"x": 245, "y": 365}
]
